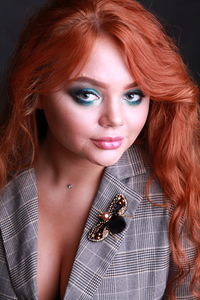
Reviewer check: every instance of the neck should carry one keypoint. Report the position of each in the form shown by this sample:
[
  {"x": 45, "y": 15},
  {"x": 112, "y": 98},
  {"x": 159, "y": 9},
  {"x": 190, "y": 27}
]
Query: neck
[{"x": 62, "y": 167}]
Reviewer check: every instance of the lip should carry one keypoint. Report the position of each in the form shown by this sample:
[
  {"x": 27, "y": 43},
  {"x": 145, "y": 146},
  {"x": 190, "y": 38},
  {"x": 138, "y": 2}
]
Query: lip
[{"x": 108, "y": 143}]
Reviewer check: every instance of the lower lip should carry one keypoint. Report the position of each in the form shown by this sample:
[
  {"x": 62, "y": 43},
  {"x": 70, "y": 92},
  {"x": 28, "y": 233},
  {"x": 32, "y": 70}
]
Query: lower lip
[{"x": 107, "y": 145}]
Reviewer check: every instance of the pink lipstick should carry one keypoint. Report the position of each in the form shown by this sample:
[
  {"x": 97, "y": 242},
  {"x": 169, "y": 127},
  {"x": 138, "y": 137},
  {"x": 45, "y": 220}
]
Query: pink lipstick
[{"x": 108, "y": 143}]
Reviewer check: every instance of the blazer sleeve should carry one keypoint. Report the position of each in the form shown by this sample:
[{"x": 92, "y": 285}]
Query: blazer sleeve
[
  {"x": 183, "y": 291},
  {"x": 6, "y": 289}
]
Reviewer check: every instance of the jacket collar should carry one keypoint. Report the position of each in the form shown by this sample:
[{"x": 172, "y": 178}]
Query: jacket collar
[
  {"x": 94, "y": 258},
  {"x": 131, "y": 163},
  {"x": 19, "y": 222}
]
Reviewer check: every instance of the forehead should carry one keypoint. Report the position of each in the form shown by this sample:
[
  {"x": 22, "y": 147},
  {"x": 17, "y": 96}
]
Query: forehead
[{"x": 107, "y": 64}]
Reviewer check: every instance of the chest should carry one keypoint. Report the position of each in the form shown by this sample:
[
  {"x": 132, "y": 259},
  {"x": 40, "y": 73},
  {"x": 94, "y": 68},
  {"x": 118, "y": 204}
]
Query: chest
[
  {"x": 141, "y": 262},
  {"x": 60, "y": 230},
  {"x": 138, "y": 269}
]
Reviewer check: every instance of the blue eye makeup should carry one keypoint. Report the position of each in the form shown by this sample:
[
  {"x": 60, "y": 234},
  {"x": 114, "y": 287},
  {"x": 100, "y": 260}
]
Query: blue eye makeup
[
  {"x": 133, "y": 97},
  {"x": 85, "y": 96}
]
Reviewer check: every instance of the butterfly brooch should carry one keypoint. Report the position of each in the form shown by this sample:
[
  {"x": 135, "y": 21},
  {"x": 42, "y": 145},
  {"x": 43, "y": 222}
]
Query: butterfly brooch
[{"x": 111, "y": 221}]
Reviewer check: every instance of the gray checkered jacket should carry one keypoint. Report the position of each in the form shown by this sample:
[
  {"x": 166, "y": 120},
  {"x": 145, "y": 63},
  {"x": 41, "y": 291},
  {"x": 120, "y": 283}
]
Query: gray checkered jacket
[{"x": 133, "y": 266}]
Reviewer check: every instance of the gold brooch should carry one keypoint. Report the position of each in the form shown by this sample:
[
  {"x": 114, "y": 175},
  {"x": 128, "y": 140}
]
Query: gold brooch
[{"x": 111, "y": 221}]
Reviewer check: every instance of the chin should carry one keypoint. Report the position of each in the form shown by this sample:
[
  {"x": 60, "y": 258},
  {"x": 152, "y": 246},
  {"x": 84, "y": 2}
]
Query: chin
[{"x": 106, "y": 162}]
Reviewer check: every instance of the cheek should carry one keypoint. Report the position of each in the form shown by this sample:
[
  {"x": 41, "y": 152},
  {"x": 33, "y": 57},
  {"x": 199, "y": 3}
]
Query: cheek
[
  {"x": 138, "y": 117},
  {"x": 69, "y": 122}
]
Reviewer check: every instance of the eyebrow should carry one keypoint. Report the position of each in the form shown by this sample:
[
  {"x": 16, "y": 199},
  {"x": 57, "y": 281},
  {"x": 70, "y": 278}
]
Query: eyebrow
[{"x": 99, "y": 83}]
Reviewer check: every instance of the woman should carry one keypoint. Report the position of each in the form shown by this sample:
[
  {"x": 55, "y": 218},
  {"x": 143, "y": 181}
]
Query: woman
[{"x": 99, "y": 159}]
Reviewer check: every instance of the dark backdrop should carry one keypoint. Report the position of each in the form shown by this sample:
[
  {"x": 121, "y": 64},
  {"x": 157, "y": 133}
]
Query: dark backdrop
[{"x": 180, "y": 18}]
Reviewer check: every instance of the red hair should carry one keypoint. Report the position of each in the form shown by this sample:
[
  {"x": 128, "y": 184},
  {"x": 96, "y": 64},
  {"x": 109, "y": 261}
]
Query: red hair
[{"x": 57, "y": 41}]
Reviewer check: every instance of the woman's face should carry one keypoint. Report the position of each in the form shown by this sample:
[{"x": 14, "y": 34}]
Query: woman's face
[{"x": 100, "y": 114}]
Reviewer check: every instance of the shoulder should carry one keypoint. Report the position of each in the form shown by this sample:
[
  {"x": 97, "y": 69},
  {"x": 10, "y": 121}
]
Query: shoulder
[
  {"x": 18, "y": 192},
  {"x": 18, "y": 234}
]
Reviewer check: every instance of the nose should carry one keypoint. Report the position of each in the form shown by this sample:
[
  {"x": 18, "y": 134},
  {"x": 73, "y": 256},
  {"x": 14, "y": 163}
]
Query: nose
[{"x": 112, "y": 114}]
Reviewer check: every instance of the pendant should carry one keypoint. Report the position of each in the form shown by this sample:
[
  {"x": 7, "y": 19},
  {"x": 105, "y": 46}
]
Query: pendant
[{"x": 69, "y": 186}]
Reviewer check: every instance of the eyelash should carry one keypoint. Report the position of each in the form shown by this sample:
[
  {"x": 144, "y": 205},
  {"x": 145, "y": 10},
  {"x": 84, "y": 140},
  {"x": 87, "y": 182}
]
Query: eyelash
[
  {"x": 79, "y": 94},
  {"x": 138, "y": 93}
]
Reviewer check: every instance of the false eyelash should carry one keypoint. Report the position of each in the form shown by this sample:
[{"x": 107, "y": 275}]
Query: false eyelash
[{"x": 111, "y": 221}]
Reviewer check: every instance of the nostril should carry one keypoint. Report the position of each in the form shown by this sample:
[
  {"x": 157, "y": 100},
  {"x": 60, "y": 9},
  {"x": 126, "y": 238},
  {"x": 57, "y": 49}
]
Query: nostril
[
  {"x": 111, "y": 121},
  {"x": 112, "y": 115}
]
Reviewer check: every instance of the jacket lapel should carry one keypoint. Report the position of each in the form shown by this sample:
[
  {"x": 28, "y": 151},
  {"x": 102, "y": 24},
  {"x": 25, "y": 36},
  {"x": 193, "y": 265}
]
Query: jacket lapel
[
  {"x": 19, "y": 222},
  {"x": 19, "y": 218},
  {"x": 94, "y": 258}
]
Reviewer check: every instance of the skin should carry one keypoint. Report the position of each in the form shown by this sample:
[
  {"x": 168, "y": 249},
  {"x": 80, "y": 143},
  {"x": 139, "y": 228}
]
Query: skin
[
  {"x": 69, "y": 155},
  {"x": 72, "y": 126}
]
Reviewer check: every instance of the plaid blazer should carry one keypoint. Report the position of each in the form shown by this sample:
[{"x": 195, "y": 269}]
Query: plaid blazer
[{"x": 135, "y": 265}]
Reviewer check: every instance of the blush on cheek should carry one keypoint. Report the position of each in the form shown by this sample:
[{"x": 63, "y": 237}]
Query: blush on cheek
[{"x": 140, "y": 120}]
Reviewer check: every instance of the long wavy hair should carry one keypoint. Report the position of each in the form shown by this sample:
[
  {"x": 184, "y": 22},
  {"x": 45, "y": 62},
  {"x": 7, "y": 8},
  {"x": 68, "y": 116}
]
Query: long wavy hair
[{"x": 57, "y": 41}]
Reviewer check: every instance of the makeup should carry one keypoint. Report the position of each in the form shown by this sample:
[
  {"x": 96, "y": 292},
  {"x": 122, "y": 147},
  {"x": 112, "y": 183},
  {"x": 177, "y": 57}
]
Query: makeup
[
  {"x": 133, "y": 97},
  {"x": 108, "y": 143},
  {"x": 85, "y": 96}
]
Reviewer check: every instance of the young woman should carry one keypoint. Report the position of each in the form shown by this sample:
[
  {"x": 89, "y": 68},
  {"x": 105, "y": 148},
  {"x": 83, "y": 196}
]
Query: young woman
[{"x": 99, "y": 160}]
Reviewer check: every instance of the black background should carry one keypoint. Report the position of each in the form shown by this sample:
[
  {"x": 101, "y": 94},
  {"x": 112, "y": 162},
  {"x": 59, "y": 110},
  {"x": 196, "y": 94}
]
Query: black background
[{"x": 180, "y": 18}]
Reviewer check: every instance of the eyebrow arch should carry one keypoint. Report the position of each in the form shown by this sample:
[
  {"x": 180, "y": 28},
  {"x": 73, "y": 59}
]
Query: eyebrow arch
[{"x": 99, "y": 83}]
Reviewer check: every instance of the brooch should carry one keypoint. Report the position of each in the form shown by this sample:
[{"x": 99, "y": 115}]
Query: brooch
[{"x": 111, "y": 221}]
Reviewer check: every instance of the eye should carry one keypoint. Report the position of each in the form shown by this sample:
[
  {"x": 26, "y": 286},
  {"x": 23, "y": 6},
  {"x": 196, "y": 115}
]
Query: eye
[
  {"x": 85, "y": 96},
  {"x": 133, "y": 97}
]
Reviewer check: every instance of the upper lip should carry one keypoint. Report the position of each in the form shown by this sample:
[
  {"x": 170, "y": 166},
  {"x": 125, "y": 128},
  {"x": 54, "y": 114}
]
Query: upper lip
[{"x": 109, "y": 138}]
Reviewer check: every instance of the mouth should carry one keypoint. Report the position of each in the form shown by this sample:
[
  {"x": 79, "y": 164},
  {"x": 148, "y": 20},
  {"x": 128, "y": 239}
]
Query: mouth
[{"x": 108, "y": 143}]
